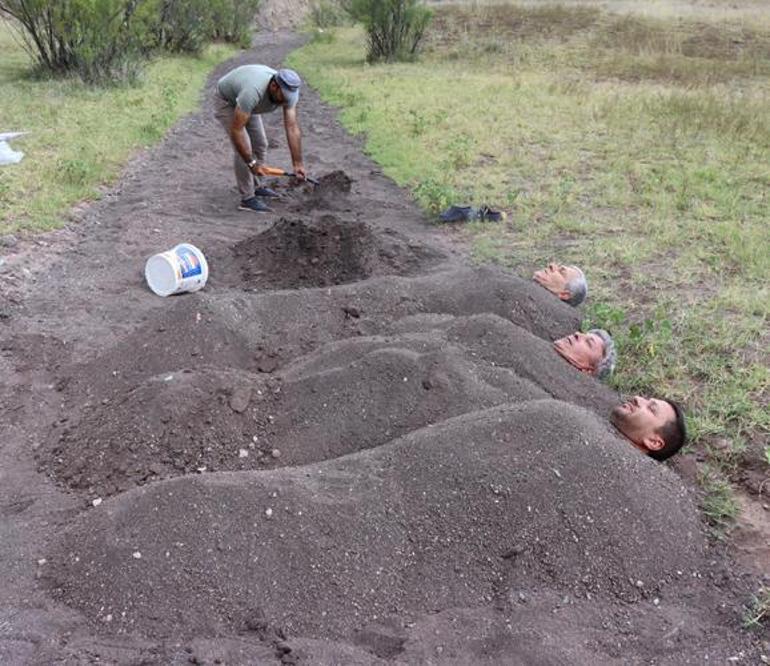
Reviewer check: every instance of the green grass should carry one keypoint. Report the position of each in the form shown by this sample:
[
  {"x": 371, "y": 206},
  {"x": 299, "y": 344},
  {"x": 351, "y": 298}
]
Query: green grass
[
  {"x": 758, "y": 611},
  {"x": 79, "y": 137},
  {"x": 635, "y": 147},
  {"x": 718, "y": 503}
]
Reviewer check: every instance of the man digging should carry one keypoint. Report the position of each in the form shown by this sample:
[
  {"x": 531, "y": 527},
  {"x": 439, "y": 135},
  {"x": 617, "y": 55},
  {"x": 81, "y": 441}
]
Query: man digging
[{"x": 241, "y": 97}]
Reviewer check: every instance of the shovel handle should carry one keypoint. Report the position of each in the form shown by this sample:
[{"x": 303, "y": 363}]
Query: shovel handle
[
  {"x": 277, "y": 171},
  {"x": 274, "y": 171}
]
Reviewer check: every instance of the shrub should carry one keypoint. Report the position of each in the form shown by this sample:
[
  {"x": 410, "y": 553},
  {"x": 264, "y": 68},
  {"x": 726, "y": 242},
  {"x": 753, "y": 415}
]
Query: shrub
[
  {"x": 181, "y": 26},
  {"x": 97, "y": 39},
  {"x": 232, "y": 20},
  {"x": 327, "y": 14},
  {"x": 186, "y": 25},
  {"x": 394, "y": 28},
  {"x": 106, "y": 40}
]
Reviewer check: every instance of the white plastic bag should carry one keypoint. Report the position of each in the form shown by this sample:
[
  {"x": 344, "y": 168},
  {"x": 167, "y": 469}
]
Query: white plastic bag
[{"x": 7, "y": 154}]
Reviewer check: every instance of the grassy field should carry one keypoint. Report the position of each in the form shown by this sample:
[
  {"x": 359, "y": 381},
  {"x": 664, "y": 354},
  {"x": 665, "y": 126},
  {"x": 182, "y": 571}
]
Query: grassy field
[
  {"x": 634, "y": 146},
  {"x": 79, "y": 137}
]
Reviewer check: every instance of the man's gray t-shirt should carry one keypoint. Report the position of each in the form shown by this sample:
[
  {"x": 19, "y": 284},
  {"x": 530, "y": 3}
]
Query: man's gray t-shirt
[{"x": 246, "y": 88}]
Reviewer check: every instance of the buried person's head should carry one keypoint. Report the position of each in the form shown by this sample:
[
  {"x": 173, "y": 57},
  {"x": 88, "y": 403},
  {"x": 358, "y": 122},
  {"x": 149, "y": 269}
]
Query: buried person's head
[
  {"x": 654, "y": 426},
  {"x": 592, "y": 352},
  {"x": 566, "y": 282}
]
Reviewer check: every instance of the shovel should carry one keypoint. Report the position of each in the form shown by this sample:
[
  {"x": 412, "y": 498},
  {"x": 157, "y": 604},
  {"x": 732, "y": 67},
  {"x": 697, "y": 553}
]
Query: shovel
[{"x": 277, "y": 171}]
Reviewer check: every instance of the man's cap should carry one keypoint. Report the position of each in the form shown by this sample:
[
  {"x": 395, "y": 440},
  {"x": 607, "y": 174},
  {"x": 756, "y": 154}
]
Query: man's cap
[{"x": 290, "y": 82}]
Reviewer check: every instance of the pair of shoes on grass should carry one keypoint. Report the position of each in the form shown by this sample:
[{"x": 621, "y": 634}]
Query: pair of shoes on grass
[
  {"x": 469, "y": 213},
  {"x": 255, "y": 204}
]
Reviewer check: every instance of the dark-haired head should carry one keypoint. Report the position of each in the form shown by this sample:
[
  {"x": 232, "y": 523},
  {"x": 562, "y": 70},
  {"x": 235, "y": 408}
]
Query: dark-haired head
[
  {"x": 655, "y": 426},
  {"x": 673, "y": 432}
]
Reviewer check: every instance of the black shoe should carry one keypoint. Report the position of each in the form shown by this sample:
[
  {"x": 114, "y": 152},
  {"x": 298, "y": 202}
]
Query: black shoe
[
  {"x": 266, "y": 192},
  {"x": 459, "y": 214},
  {"x": 254, "y": 205},
  {"x": 489, "y": 215}
]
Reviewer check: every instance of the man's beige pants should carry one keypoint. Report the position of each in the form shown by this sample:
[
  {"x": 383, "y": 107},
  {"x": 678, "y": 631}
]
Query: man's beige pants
[{"x": 224, "y": 112}]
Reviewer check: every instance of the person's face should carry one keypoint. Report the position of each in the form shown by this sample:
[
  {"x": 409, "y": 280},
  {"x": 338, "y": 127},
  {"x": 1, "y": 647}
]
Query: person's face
[
  {"x": 583, "y": 350},
  {"x": 555, "y": 277},
  {"x": 640, "y": 419},
  {"x": 274, "y": 92}
]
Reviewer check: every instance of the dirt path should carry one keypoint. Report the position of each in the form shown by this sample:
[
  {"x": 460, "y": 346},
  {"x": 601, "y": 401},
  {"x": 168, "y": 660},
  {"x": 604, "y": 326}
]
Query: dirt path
[{"x": 351, "y": 447}]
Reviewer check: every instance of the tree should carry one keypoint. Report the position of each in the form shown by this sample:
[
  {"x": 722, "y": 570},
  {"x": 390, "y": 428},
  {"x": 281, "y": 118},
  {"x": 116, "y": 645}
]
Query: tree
[{"x": 394, "y": 27}]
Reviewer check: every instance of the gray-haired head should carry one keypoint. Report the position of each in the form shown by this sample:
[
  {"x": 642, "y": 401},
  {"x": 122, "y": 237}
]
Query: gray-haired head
[
  {"x": 577, "y": 288},
  {"x": 609, "y": 356}
]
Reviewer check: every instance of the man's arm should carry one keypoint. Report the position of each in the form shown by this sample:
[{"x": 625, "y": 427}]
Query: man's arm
[{"x": 294, "y": 138}]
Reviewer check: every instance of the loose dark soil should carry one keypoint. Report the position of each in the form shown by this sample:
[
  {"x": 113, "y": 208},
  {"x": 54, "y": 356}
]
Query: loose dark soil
[
  {"x": 296, "y": 254},
  {"x": 349, "y": 448}
]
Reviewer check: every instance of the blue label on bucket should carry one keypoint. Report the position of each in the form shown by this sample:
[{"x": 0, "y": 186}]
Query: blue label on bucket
[{"x": 188, "y": 262}]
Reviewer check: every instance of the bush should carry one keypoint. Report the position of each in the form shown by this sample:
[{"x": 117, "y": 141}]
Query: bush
[
  {"x": 97, "y": 39},
  {"x": 106, "y": 40},
  {"x": 394, "y": 27},
  {"x": 232, "y": 20},
  {"x": 180, "y": 26},
  {"x": 186, "y": 25},
  {"x": 327, "y": 14}
]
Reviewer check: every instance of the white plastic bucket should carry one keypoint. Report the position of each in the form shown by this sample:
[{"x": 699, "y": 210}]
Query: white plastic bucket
[{"x": 182, "y": 268}]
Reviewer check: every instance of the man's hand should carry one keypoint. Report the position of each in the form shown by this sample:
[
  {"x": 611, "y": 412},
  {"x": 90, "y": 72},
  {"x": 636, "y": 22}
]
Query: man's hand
[{"x": 299, "y": 171}]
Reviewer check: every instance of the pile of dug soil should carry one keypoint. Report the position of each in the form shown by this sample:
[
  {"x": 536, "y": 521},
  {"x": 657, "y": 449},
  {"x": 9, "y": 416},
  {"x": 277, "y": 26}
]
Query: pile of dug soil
[
  {"x": 331, "y": 192},
  {"x": 296, "y": 253}
]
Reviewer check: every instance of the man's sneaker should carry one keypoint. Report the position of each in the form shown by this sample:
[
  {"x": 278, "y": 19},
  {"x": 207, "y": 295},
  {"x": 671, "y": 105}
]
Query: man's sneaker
[
  {"x": 489, "y": 215},
  {"x": 266, "y": 192},
  {"x": 254, "y": 205},
  {"x": 459, "y": 214}
]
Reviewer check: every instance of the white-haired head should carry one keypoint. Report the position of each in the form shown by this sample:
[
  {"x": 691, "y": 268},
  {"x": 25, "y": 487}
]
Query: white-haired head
[
  {"x": 609, "y": 356},
  {"x": 577, "y": 287}
]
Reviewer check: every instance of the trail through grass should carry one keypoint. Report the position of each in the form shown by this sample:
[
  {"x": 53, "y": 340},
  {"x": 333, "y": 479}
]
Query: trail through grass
[
  {"x": 635, "y": 147},
  {"x": 79, "y": 137}
]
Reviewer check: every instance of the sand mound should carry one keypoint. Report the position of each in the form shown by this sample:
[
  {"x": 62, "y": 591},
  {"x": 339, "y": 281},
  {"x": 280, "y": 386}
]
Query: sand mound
[
  {"x": 535, "y": 497},
  {"x": 346, "y": 396},
  {"x": 331, "y": 192},
  {"x": 378, "y": 304},
  {"x": 184, "y": 333},
  {"x": 175, "y": 423},
  {"x": 298, "y": 253}
]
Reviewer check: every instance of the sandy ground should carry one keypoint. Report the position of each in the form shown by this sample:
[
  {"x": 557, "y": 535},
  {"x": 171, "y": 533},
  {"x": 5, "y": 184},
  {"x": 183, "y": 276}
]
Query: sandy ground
[{"x": 351, "y": 448}]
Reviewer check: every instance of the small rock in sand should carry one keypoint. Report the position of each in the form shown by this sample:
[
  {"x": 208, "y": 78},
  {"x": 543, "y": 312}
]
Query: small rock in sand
[{"x": 239, "y": 399}]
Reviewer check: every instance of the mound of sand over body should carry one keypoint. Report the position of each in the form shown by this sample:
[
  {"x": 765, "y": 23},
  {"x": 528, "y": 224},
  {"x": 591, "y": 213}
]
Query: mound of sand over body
[
  {"x": 262, "y": 332},
  {"x": 191, "y": 421},
  {"x": 538, "y": 496},
  {"x": 185, "y": 333},
  {"x": 299, "y": 253},
  {"x": 346, "y": 396},
  {"x": 291, "y": 323}
]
